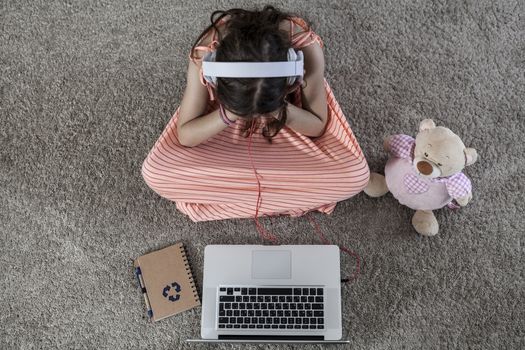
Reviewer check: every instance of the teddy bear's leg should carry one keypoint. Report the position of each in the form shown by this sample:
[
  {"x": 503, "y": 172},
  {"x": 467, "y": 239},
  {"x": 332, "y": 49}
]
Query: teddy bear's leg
[
  {"x": 376, "y": 185},
  {"x": 425, "y": 223}
]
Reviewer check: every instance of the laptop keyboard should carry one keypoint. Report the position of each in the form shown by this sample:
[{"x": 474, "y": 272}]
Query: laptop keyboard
[{"x": 271, "y": 308}]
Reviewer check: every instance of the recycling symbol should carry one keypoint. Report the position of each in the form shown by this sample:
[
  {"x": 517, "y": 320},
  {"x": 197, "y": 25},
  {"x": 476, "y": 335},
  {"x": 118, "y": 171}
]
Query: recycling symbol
[{"x": 172, "y": 297}]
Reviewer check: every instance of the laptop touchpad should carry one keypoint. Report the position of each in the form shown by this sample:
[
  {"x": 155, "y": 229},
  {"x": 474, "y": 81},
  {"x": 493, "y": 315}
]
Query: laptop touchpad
[{"x": 271, "y": 264}]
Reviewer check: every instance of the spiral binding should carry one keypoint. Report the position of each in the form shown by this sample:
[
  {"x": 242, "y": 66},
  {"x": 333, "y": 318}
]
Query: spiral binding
[{"x": 190, "y": 275}]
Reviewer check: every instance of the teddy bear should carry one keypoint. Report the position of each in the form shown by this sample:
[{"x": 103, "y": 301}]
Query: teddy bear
[{"x": 425, "y": 173}]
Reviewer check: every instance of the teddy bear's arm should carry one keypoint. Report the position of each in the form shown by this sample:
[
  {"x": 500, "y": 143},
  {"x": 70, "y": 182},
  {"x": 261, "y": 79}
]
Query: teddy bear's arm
[
  {"x": 459, "y": 187},
  {"x": 464, "y": 200}
]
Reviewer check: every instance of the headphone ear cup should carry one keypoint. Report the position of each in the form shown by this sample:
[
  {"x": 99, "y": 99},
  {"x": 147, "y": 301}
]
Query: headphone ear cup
[
  {"x": 292, "y": 56},
  {"x": 300, "y": 57},
  {"x": 210, "y": 57}
]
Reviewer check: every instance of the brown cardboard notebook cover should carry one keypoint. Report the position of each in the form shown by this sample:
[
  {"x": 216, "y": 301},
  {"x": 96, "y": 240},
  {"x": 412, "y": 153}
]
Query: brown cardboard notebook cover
[{"x": 168, "y": 281}]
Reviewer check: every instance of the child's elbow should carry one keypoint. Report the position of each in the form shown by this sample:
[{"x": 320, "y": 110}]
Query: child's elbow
[
  {"x": 187, "y": 142},
  {"x": 185, "y": 139},
  {"x": 322, "y": 128}
]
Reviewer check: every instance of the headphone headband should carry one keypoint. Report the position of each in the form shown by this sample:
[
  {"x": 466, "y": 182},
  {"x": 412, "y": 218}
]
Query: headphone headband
[
  {"x": 252, "y": 69},
  {"x": 293, "y": 68}
]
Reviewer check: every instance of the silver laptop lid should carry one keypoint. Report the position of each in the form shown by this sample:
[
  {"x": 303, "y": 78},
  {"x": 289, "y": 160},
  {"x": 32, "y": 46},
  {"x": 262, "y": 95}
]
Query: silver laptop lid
[{"x": 263, "y": 268}]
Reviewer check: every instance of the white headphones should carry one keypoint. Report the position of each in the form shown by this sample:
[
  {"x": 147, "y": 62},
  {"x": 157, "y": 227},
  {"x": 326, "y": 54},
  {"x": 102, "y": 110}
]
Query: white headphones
[{"x": 293, "y": 68}]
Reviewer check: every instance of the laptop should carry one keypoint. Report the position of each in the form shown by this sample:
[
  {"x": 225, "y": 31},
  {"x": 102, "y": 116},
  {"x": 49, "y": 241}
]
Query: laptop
[{"x": 271, "y": 294}]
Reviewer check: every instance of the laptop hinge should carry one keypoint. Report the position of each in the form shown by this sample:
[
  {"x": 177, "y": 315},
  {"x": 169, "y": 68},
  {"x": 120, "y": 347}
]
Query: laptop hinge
[{"x": 269, "y": 337}]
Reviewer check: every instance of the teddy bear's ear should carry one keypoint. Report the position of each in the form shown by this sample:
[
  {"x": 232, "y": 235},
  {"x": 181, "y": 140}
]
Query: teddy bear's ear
[
  {"x": 426, "y": 124},
  {"x": 470, "y": 156}
]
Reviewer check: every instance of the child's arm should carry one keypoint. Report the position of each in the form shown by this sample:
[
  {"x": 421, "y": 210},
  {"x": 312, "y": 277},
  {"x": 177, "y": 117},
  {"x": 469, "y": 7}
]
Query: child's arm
[
  {"x": 193, "y": 127},
  {"x": 311, "y": 120},
  {"x": 303, "y": 121}
]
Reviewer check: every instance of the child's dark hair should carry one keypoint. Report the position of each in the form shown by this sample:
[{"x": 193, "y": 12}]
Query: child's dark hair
[{"x": 253, "y": 36}]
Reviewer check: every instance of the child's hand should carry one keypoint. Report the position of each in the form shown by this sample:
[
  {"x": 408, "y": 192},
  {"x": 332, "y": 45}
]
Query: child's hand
[
  {"x": 232, "y": 116},
  {"x": 275, "y": 114}
]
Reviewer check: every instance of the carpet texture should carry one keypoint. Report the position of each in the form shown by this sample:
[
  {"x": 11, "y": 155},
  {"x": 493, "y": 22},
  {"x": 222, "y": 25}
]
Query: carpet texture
[{"x": 86, "y": 87}]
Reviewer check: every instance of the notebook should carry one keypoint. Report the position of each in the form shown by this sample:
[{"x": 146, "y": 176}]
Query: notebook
[{"x": 166, "y": 281}]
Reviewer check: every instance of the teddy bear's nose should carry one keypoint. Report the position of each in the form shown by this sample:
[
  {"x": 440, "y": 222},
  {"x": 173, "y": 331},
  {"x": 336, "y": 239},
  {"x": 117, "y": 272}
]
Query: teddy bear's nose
[{"x": 424, "y": 168}]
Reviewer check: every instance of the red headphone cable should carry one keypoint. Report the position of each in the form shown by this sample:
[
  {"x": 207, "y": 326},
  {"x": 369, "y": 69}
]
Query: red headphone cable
[
  {"x": 260, "y": 228},
  {"x": 356, "y": 256}
]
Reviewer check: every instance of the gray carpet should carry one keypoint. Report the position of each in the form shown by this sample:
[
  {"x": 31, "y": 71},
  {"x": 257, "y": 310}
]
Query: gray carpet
[{"x": 86, "y": 87}]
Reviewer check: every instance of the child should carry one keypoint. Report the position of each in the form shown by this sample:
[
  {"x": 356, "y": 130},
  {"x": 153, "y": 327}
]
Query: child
[{"x": 275, "y": 149}]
